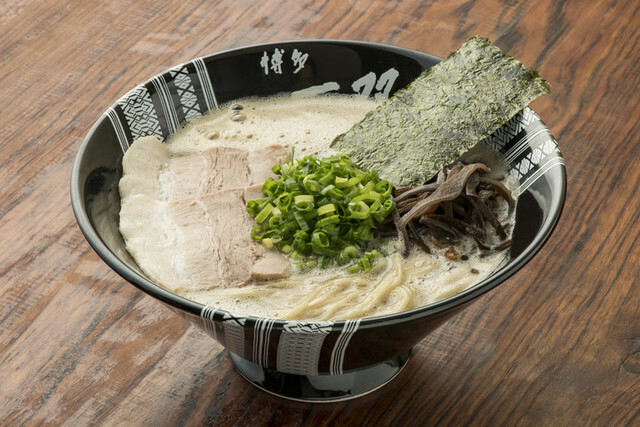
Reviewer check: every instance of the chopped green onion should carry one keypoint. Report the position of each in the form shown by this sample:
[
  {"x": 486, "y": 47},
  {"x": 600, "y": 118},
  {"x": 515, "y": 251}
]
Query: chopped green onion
[
  {"x": 333, "y": 192},
  {"x": 366, "y": 187},
  {"x": 359, "y": 210},
  {"x": 322, "y": 211},
  {"x": 368, "y": 197},
  {"x": 326, "y": 179},
  {"x": 326, "y": 209},
  {"x": 348, "y": 253},
  {"x": 311, "y": 185},
  {"x": 257, "y": 232},
  {"x": 254, "y": 206},
  {"x": 318, "y": 238},
  {"x": 276, "y": 221},
  {"x": 366, "y": 263},
  {"x": 341, "y": 182},
  {"x": 283, "y": 201},
  {"x": 333, "y": 219},
  {"x": 268, "y": 243},
  {"x": 303, "y": 198},
  {"x": 304, "y": 206},
  {"x": 353, "y": 269},
  {"x": 286, "y": 249},
  {"x": 301, "y": 221},
  {"x": 375, "y": 206},
  {"x": 264, "y": 213},
  {"x": 271, "y": 186},
  {"x": 384, "y": 188}
]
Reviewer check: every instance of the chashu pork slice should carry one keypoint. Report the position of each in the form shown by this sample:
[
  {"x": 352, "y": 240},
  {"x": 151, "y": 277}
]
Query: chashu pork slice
[
  {"x": 142, "y": 165},
  {"x": 262, "y": 160},
  {"x": 271, "y": 265},
  {"x": 197, "y": 244},
  {"x": 184, "y": 219},
  {"x": 149, "y": 168},
  {"x": 151, "y": 239},
  {"x": 214, "y": 239},
  {"x": 206, "y": 172},
  {"x": 253, "y": 192}
]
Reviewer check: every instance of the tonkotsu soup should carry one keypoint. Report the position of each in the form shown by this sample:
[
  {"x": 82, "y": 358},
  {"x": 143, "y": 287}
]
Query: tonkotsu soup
[{"x": 184, "y": 220}]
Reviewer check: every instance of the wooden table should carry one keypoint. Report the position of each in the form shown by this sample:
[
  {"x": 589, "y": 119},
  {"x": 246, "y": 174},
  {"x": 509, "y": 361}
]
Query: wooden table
[{"x": 557, "y": 344}]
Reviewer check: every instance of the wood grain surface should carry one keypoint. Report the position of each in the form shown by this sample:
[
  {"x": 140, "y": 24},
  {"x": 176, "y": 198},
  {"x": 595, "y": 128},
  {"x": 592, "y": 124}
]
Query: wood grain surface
[{"x": 557, "y": 344}]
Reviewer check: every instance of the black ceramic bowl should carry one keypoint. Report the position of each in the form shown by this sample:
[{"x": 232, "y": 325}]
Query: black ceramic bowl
[{"x": 317, "y": 361}]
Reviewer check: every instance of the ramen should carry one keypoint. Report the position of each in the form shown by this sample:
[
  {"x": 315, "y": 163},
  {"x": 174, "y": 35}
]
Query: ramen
[{"x": 184, "y": 218}]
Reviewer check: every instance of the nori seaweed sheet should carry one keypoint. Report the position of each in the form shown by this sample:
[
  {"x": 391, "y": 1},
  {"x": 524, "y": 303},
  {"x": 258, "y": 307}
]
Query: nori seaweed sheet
[{"x": 446, "y": 111}]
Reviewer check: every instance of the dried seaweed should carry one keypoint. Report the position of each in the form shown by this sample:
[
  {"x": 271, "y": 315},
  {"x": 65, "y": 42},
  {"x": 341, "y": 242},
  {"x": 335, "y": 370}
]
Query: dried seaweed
[{"x": 446, "y": 111}]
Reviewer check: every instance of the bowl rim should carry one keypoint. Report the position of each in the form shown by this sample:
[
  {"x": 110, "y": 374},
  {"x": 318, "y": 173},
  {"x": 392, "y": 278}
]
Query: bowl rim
[{"x": 195, "y": 308}]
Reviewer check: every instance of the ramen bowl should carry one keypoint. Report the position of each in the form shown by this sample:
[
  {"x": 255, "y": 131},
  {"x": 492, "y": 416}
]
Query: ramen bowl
[{"x": 302, "y": 360}]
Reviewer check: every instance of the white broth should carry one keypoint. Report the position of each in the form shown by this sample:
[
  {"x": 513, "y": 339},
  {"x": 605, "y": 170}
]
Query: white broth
[{"x": 309, "y": 124}]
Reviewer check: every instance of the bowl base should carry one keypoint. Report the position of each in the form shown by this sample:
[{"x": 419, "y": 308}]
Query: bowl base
[{"x": 322, "y": 387}]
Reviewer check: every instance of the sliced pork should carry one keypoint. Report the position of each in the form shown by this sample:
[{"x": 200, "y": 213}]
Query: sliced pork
[
  {"x": 270, "y": 265},
  {"x": 151, "y": 238},
  {"x": 142, "y": 165},
  {"x": 149, "y": 168},
  {"x": 261, "y": 162},
  {"x": 253, "y": 192},
  {"x": 207, "y": 172},
  {"x": 183, "y": 216}
]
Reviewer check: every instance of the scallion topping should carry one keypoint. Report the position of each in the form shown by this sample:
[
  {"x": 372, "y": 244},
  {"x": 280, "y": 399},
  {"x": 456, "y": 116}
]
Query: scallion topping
[{"x": 322, "y": 212}]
